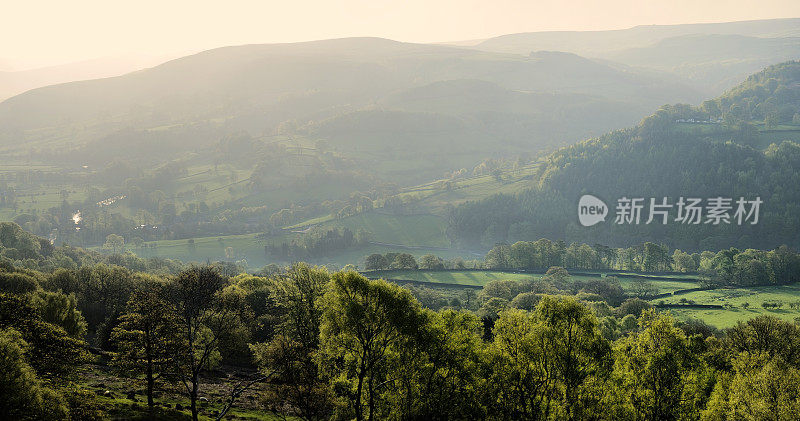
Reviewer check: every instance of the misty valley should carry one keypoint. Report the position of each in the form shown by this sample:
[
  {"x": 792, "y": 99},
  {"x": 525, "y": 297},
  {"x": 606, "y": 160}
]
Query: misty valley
[{"x": 362, "y": 228}]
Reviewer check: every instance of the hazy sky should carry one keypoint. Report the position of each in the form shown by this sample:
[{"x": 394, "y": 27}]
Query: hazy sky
[{"x": 36, "y": 32}]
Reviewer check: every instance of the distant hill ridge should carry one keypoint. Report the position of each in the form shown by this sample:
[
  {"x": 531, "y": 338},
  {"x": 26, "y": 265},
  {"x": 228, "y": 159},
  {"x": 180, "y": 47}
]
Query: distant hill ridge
[
  {"x": 604, "y": 41},
  {"x": 538, "y": 101}
]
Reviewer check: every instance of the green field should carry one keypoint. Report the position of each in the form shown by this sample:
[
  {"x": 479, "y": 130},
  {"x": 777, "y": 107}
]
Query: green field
[
  {"x": 251, "y": 248},
  {"x": 433, "y": 197},
  {"x": 411, "y": 230},
  {"x": 480, "y": 278},
  {"x": 736, "y": 298},
  {"x": 475, "y": 278},
  {"x": 418, "y": 228},
  {"x": 663, "y": 285},
  {"x": 726, "y": 318},
  {"x": 423, "y": 230},
  {"x": 732, "y": 298},
  {"x": 721, "y": 318},
  {"x": 419, "y": 233},
  {"x": 245, "y": 246}
]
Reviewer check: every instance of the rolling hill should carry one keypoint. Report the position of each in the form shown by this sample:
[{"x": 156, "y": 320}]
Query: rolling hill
[
  {"x": 742, "y": 144},
  {"x": 261, "y": 138},
  {"x": 15, "y": 82},
  {"x": 715, "y": 61},
  {"x": 260, "y": 88},
  {"x": 594, "y": 43},
  {"x": 712, "y": 57}
]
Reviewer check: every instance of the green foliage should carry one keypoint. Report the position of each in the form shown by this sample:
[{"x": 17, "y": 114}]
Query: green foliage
[
  {"x": 633, "y": 306},
  {"x": 498, "y": 257},
  {"x": 767, "y": 335},
  {"x": 430, "y": 261},
  {"x": 115, "y": 243},
  {"x": 102, "y": 291},
  {"x": 83, "y": 404},
  {"x": 24, "y": 395},
  {"x": 145, "y": 337},
  {"x": 17, "y": 283},
  {"x": 656, "y": 372},
  {"x": 208, "y": 316},
  {"x": 362, "y": 322},
  {"x": 684, "y": 262},
  {"x": 403, "y": 261},
  {"x": 506, "y": 290},
  {"x": 287, "y": 359},
  {"x": 61, "y": 310},
  {"x": 343, "y": 346},
  {"x": 52, "y": 351},
  {"x": 763, "y": 382},
  {"x": 18, "y": 244},
  {"x": 763, "y": 388},
  {"x": 525, "y": 301},
  {"x": 376, "y": 261},
  {"x": 549, "y": 363},
  {"x": 544, "y": 253},
  {"x": 318, "y": 242},
  {"x": 340, "y": 345},
  {"x": 28, "y": 251},
  {"x": 431, "y": 298},
  {"x": 438, "y": 370},
  {"x": 767, "y": 95}
]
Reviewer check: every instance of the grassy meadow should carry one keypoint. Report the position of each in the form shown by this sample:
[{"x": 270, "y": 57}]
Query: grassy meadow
[
  {"x": 733, "y": 299},
  {"x": 482, "y": 277},
  {"x": 741, "y": 304}
]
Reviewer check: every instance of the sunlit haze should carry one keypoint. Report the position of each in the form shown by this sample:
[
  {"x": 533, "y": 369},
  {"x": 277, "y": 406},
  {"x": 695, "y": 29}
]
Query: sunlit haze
[
  {"x": 385, "y": 210},
  {"x": 39, "y": 33}
]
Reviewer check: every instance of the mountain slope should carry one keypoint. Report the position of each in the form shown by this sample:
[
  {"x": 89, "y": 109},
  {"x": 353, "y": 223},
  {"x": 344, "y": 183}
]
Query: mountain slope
[
  {"x": 425, "y": 131},
  {"x": 664, "y": 156},
  {"x": 717, "y": 62},
  {"x": 712, "y": 57},
  {"x": 392, "y": 107},
  {"x": 259, "y": 86},
  {"x": 16, "y": 82}
]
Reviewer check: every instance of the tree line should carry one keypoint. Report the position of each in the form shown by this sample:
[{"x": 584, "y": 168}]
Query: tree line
[
  {"x": 318, "y": 242},
  {"x": 728, "y": 267},
  {"x": 338, "y": 345}
]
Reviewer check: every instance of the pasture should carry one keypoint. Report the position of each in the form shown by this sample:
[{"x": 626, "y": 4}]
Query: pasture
[
  {"x": 741, "y": 304},
  {"x": 250, "y": 247},
  {"x": 482, "y": 277}
]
